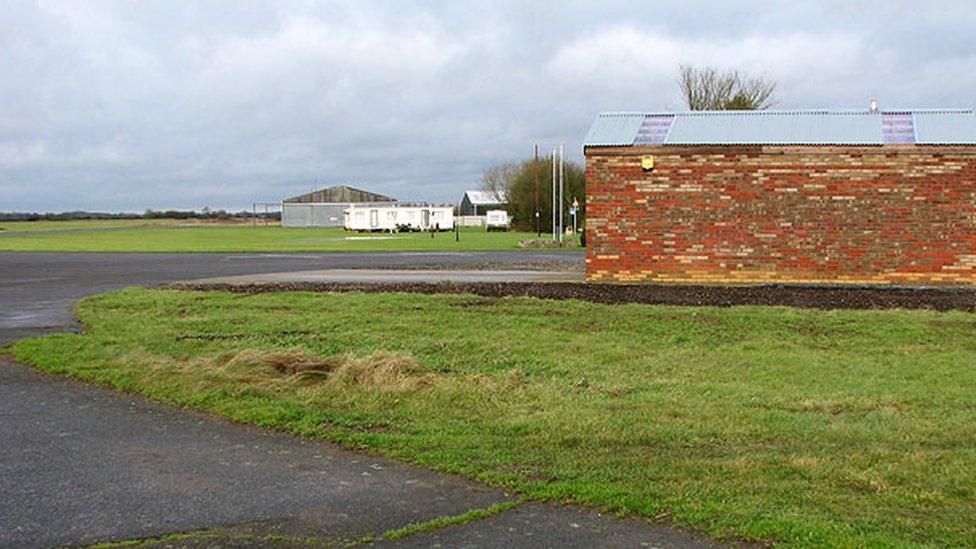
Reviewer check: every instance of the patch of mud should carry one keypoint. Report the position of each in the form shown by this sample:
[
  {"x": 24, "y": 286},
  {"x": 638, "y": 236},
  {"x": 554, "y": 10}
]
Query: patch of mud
[
  {"x": 473, "y": 303},
  {"x": 815, "y": 297},
  {"x": 567, "y": 266}
]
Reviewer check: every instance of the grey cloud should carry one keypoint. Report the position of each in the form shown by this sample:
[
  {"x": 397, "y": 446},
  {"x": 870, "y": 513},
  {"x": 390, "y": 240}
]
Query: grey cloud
[{"x": 124, "y": 106}]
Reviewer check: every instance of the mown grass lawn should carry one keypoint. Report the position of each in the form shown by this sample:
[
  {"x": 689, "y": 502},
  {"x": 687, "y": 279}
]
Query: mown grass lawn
[
  {"x": 124, "y": 237},
  {"x": 9, "y": 227},
  {"x": 801, "y": 427}
]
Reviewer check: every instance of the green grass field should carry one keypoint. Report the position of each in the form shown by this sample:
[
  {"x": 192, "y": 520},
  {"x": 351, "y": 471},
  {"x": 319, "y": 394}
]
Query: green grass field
[
  {"x": 792, "y": 426},
  {"x": 126, "y": 236},
  {"x": 10, "y": 227}
]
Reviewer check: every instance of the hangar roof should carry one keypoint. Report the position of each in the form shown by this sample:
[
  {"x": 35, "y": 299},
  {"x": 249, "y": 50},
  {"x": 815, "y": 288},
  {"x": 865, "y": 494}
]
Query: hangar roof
[
  {"x": 339, "y": 194},
  {"x": 786, "y": 127},
  {"x": 485, "y": 198}
]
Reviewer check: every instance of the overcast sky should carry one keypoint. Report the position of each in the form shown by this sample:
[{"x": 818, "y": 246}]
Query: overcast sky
[{"x": 131, "y": 105}]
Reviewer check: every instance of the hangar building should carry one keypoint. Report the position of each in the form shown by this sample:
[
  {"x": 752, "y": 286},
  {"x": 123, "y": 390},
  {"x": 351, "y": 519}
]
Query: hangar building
[
  {"x": 323, "y": 208},
  {"x": 479, "y": 202}
]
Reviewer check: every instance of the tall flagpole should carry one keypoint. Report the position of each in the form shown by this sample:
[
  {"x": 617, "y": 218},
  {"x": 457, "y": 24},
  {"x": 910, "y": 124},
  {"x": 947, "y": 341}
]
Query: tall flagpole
[
  {"x": 553, "y": 194},
  {"x": 561, "y": 231},
  {"x": 535, "y": 189}
]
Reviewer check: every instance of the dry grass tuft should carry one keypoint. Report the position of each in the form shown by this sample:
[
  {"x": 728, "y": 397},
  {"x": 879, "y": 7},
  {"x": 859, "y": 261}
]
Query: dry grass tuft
[
  {"x": 382, "y": 370},
  {"x": 285, "y": 362}
]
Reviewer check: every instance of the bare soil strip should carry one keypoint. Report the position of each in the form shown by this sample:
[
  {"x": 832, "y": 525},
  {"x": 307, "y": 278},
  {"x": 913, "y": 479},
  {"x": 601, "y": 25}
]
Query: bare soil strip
[{"x": 815, "y": 297}]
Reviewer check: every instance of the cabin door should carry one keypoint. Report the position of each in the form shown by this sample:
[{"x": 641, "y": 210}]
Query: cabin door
[
  {"x": 424, "y": 219},
  {"x": 374, "y": 219}
]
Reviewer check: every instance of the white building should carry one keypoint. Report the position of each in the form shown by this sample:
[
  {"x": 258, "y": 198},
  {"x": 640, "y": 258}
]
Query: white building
[
  {"x": 497, "y": 220},
  {"x": 479, "y": 202},
  {"x": 398, "y": 218}
]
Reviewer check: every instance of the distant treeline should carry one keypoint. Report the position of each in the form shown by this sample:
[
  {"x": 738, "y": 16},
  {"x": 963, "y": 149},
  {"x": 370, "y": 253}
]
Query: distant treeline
[{"x": 206, "y": 213}]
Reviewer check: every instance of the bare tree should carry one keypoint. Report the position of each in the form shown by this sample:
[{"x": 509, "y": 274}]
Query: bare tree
[
  {"x": 753, "y": 94},
  {"x": 499, "y": 178},
  {"x": 529, "y": 188},
  {"x": 706, "y": 89}
]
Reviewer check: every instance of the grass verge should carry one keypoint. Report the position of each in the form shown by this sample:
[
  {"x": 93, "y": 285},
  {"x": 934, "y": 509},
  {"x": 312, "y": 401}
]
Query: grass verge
[
  {"x": 127, "y": 237},
  {"x": 797, "y": 426},
  {"x": 227, "y": 535},
  {"x": 214, "y": 537},
  {"x": 443, "y": 522}
]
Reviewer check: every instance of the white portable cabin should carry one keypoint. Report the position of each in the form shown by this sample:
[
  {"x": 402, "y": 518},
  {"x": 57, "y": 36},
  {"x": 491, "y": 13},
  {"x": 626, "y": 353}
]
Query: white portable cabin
[
  {"x": 399, "y": 218},
  {"x": 496, "y": 220}
]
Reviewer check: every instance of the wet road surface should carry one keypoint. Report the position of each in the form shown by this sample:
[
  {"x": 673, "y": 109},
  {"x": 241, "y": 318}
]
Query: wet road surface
[{"x": 81, "y": 464}]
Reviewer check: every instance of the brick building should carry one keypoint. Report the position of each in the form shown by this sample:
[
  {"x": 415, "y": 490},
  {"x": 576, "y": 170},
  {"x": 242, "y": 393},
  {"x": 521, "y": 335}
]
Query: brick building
[{"x": 848, "y": 197}]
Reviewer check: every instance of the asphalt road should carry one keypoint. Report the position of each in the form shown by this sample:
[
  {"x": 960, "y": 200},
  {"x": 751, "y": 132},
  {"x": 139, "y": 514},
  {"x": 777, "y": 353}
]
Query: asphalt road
[
  {"x": 385, "y": 277},
  {"x": 38, "y": 290},
  {"x": 81, "y": 464}
]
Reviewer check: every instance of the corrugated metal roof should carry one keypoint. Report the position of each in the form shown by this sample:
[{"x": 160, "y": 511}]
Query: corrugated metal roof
[
  {"x": 614, "y": 129},
  {"x": 339, "y": 194},
  {"x": 654, "y": 130},
  {"x": 932, "y": 128},
  {"x": 787, "y": 127},
  {"x": 485, "y": 198},
  {"x": 812, "y": 127},
  {"x": 898, "y": 128}
]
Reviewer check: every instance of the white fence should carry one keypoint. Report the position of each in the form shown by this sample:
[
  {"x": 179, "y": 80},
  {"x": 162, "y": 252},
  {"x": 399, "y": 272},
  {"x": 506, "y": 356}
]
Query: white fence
[{"x": 471, "y": 220}]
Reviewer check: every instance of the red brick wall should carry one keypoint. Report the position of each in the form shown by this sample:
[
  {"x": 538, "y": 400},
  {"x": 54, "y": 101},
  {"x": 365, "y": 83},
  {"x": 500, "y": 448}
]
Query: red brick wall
[{"x": 875, "y": 215}]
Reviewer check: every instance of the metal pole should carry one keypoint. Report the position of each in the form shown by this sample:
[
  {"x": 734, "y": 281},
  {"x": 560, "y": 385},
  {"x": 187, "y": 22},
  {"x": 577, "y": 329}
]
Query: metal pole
[
  {"x": 561, "y": 231},
  {"x": 535, "y": 173},
  {"x": 553, "y": 194}
]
